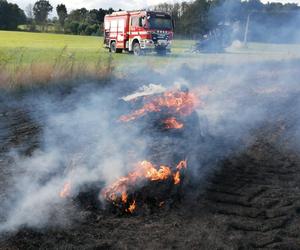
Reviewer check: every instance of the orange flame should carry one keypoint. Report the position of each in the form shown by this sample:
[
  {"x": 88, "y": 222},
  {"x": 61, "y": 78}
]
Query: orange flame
[
  {"x": 65, "y": 192},
  {"x": 124, "y": 197},
  {"x": 178, "y": 102},
  {"x": 177, "y": 178},
  {"x": 172, "y": 123},
  {"x": 181, "y": 165},
  {"x": 145, "y": 170},
  {"x": 132, "y": 207},
  {"x": 151, "y": 173}
]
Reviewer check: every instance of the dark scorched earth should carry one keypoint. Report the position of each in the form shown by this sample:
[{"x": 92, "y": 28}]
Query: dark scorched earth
[{"x": 250, "y": 200}]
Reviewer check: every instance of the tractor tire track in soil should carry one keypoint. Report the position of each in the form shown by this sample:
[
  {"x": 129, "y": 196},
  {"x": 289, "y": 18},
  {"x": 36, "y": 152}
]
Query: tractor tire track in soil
[
  {"x": 257, "y": 195},
  {"x": 251, "y": 201}
]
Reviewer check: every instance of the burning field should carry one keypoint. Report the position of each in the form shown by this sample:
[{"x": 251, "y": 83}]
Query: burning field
[{"x": 207, "y": 160}]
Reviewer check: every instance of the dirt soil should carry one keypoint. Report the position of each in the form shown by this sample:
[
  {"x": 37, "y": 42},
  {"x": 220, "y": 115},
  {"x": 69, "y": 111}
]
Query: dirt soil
[{"x": 251, "y": 201}]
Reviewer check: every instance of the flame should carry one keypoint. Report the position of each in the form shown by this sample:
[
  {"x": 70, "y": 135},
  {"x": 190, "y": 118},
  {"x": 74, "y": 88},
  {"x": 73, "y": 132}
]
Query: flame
[
  {"x": 153, "y": 174},
  {"x": 132, "y": 207},
  {"x": 172, "y": 123},
  {"x": 181, "y": 165},
  {"x": 178, "y": 102},
  {"x": 117, "y": 192},
  {"x": 124, "y": 197},
  {"x": 177, "y": 178},
  {"x": 65, "y": 192}
]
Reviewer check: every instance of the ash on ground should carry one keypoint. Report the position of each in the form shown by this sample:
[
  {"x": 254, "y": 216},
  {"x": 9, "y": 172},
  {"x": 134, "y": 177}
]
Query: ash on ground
[{"x": 245, "y": 196}]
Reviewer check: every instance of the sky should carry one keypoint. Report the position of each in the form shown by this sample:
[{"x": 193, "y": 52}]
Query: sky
[
  {"x": 116, "y": 4},
  {"x": 96, "y": 4}
]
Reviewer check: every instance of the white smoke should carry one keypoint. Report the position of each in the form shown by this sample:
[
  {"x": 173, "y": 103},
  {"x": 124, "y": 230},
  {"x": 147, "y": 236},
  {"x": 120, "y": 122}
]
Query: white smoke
[
  {"x": 82, "y": 142},
  {"x": 151, "y": 89}
]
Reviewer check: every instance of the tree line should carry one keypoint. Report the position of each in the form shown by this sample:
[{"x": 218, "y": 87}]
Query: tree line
[
  {"x": 197, "y": 18},
  {"x": 10, "y": 16},
  {"x": 36, "y": 18},
  {"x": 192, "y": 19}
]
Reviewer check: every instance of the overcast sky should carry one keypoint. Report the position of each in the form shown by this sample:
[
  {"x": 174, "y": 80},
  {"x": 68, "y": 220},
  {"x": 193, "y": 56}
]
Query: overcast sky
[
  {"x": 96, "y": 4},
  {"x": 116, "y": 4}
]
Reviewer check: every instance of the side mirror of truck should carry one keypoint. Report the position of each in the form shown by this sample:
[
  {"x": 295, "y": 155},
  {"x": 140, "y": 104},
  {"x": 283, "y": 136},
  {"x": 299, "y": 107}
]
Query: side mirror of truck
[{"x": 142, "y": 21}]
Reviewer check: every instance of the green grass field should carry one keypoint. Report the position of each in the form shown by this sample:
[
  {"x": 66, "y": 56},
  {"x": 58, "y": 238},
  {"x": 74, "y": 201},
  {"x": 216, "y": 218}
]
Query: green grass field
[
  {"x": 29, "y": 57},
  {"x": 45, "y": 48},
  {"x": 41, "y": 47}
]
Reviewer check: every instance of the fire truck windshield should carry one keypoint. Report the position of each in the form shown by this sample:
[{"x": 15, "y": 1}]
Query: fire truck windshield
[{"x": 163, "y": 23}]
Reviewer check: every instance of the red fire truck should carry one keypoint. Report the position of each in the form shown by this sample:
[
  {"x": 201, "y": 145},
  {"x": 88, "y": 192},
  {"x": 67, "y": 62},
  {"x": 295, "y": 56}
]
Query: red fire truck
[{"x": 138, "y": 32}]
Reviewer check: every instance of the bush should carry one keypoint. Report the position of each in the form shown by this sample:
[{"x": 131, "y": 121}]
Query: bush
[
  {"x": 81, "y": 28},
  {"x": 32, "y": 27},
  {"x": 78, "y": 28},
  {"x": 91, "y": 29},
  {"x": 72, "y": 27}
]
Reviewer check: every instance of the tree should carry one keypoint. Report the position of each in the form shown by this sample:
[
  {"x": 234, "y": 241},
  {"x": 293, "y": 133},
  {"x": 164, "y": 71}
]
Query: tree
[
  {"x": 93, "y": 17},
  {"x": 41, "y": 10},
  {"x": 194, "y": 20},
  {"x": 10, "y": 16},
  {"x": 101, "y": 15},
  {"x": 62, "y": 13},
  {"x": 29, "y": 11},
  {"x": 30, "y": 17},
  {"x": 72, "y": 27},
  {"x": 79, "y": 15}
]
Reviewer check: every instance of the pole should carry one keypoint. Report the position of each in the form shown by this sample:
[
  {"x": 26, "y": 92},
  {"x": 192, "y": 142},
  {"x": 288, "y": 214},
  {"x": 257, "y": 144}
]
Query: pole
[{"x": 247, "y": 29}]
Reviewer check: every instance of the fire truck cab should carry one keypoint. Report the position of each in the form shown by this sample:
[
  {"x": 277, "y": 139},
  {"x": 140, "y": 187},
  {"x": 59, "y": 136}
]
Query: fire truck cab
[{"x": 138, "y": 32}]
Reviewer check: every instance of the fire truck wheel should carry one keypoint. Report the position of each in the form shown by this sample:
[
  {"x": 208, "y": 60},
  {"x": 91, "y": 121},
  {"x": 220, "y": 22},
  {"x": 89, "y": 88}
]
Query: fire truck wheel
[
  {"x": 113, "y": 47},
  {"x": 137, "y": 49}
]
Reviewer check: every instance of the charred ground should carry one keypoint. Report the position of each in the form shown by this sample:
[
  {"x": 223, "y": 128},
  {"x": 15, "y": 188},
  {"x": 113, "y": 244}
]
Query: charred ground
[{"x": 247, "y": 198}]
